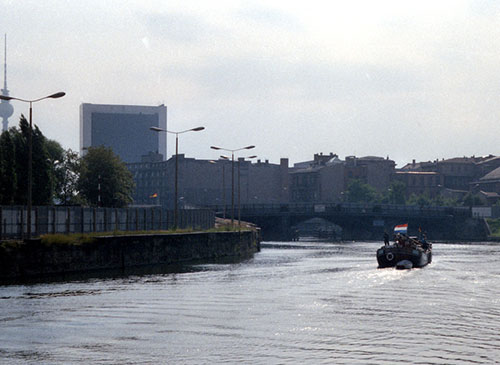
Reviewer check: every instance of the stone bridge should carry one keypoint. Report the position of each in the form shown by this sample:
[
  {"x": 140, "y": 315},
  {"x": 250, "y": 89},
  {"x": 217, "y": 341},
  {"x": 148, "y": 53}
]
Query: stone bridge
[{"x": 362, "y": 221}]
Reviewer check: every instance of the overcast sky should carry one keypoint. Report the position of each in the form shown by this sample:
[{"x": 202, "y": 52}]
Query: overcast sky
[{"x": 405, "y": 79}]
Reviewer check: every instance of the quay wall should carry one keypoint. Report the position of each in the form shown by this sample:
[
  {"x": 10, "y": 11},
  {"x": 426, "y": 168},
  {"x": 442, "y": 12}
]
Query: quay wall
[{"x": 32, "y": 258}]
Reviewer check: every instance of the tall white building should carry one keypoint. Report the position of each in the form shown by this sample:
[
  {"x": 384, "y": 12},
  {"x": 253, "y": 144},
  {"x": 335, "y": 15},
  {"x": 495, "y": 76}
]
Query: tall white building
[{"x": 124, "y": 128}]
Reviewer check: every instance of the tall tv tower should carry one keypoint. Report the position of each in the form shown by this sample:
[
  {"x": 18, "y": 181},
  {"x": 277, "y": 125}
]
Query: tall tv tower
[{"x": 6, "y": 110}]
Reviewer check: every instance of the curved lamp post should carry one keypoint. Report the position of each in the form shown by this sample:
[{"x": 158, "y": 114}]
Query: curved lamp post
[
  {"x": 223, "y": 186},
  {"x": 156, "y": 129},
  {"x": 232, "y": 173},
  {"x": 239, "y": 190},
  {"x": 30, "y": 148}
]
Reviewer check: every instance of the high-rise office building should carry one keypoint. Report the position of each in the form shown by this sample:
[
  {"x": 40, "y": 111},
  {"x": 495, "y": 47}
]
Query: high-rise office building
[{"x": 124, "y": 128}]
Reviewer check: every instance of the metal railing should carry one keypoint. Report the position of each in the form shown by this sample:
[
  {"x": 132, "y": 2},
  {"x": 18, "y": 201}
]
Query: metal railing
[
  {"x": 60, "y": 219},
  {"x": 348, "y": 208}
]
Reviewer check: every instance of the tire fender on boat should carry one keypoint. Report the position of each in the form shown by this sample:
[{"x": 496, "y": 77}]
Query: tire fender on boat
[{"x": 389, "y": 256}]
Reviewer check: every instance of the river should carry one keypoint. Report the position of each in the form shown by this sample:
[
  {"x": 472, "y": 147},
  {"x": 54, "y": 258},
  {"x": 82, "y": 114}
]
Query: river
[{"x": 292, "y": 303}]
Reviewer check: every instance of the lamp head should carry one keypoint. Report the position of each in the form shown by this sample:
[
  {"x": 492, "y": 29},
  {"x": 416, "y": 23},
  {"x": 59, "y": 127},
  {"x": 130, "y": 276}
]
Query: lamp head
[
  {"x": 60, "y": 94},
  {"x": 215, "y": 148},
  {"x": 197, "y": 129}
]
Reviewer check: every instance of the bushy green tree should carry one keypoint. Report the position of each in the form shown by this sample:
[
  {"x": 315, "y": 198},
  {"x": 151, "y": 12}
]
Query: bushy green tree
[
  {"x": 396, "y": 194},
  {"x": 66, "y": 171},
  {"x": 103, "y": 175},
  {"x": 43, "y": 172},
  {"x": 472, "y": 200},
  {"x": 65, "y": 166},
  {"x": 20, "y": 139},
  {"x": 439, "y": 200},
  {"x": 14, "y": 161},
  {"x": 422, "y": 200},
  {"x": 360, "y": 192},
  {"x": 8, "y": 176}
]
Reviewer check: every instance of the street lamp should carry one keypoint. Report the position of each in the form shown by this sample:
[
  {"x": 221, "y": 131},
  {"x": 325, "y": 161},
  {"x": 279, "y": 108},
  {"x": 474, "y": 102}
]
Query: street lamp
[
  {"x": 239, "y": 190},
  {"x": 232, "y": 173},
  {"x": 30, "y": 147},
  {"x": 223, "y": 186},
  {"x": 156, "y": 129}
]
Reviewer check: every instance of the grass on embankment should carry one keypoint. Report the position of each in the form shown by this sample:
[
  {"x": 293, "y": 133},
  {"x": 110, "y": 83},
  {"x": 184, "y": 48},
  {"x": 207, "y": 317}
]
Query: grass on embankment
[
  {"x": 494, "y": 224},
  {"x": 221, "y": 225},
  {"x": 87, "y": 238}
]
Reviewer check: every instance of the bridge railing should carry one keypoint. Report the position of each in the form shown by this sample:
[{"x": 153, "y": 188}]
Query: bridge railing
[{"x": 346, "y": 208}]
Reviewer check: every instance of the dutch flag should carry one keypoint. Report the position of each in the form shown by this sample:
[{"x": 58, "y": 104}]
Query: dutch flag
[{"x": 402, "y": 228}]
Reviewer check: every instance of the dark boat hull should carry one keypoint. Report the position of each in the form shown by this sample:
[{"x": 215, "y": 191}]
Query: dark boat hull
[{"x": 389, "y": 256}]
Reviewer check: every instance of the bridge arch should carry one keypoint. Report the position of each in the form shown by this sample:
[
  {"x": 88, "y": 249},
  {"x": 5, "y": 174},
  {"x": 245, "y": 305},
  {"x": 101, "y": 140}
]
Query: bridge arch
[
  {"x": 317, "y": 227},
  {"x": 358, "y": 221}
]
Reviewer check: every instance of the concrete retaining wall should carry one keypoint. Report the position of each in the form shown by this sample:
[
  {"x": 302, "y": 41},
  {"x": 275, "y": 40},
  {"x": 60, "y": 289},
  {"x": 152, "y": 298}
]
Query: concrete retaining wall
[{"x": 33, "y": 259}]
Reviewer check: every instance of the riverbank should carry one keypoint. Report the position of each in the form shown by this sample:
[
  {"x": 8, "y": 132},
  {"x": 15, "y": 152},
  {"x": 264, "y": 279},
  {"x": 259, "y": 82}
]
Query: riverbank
[
  {"x": 494, "y": 229},
  {"x": 36, "y": 257}
]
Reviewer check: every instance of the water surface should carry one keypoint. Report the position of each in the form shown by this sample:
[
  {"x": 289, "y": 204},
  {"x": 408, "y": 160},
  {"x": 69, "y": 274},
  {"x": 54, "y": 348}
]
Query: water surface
[{"x": 300, "y": 302}]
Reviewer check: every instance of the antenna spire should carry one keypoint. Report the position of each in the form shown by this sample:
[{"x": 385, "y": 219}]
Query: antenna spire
[
  {"x": 5, "y": 66},
  {"x": 6, "y": 110}
]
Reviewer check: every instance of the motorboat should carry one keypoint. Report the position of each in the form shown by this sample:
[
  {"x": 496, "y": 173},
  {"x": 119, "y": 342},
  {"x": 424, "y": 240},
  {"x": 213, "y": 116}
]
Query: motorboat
[{"x": 404, "y": 248}]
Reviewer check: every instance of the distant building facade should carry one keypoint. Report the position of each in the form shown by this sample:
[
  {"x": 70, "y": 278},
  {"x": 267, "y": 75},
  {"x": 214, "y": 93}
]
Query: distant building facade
[
  {"x": 453, "y": 177},
  {"x": 489, "y": 186},
  {"x": 320, "y": 180},
  {"x": 325, "y": 178},
  {"x": 372, "y": 170},
  {"x": 208, "y": 182},
  {"x": 123, "y": 128},
  {"x": 420, "y": 182},
  {"x": 456, "y": 173}
]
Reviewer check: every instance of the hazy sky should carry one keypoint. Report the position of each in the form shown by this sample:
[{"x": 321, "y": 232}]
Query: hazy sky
[{"x": 405, "y": 79}]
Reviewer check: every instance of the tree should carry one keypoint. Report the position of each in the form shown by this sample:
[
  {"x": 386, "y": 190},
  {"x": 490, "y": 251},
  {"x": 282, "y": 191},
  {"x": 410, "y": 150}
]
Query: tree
[
  {"x": 20, "y": 139},
  {"x": 472, "y": 200},
  {"x": 66, "y": 171},
  {"x": 104, "y": 176},
  {"x": 422, "y": 200},
  {"x": 396, "y": 193},
  {"x": 14, "y": 162},
  {"x": 359, "y": 192},
  {"x": 43, "y": 170},
  {"x": 439, "y": 200},
  {"x": 8, "y": 177}
]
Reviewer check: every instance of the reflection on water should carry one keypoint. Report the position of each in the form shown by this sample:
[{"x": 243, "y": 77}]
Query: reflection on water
[{"x": 293, "y": 302}]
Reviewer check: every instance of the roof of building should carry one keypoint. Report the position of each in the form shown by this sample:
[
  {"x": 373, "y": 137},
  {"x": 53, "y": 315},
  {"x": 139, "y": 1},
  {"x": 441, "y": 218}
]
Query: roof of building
[
  {"x": 459, "y": 160},
  {"x": 488, "y": 159},
  {"x": 489, "y": 194},
  {"x": 418, "y": 165},
  {"x": 417, "y": 172},
  {"x": 371, "y": 158},
  {"x": 306, "y": 170},
  {"x": 303, "y": 165},
  {"x": 335, "y": 160},
  {"x": 493, "y": 175}
]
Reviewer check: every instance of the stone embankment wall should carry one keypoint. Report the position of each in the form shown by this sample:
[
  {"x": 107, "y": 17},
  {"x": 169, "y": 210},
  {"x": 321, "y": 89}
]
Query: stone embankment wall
[{"x": 33, "y": 258}]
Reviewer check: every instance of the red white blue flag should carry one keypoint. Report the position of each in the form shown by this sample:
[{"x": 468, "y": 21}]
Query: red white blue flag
[{"x": 401, "y": 228}]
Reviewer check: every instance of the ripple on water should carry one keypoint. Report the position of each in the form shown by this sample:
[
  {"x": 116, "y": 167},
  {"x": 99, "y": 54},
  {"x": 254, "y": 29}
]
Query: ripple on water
[{"x": 293, "y": 302}]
